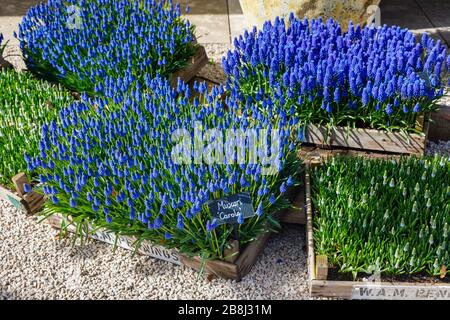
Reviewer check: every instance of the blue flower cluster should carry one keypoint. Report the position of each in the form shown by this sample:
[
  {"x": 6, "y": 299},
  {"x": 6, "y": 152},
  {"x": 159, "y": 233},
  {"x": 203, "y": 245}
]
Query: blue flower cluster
[
  {"x": 371, "y": 77},
  {"x": 114, "y": 164},
  {"x": 103, "y": 46}
]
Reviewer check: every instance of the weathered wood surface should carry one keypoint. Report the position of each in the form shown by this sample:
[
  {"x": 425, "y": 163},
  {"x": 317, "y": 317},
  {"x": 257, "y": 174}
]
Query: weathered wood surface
[
  {"x": 297, "y": 214},
  {"x": 217, "y": 268},
  {"x": 33, "y": 201},
  {"x": 366, "y": 139},
  {"x": 381, "y": 290},
  {"x": 309, "y": 230},
  {"x": 194, "y": 65},
  {"x": 315, "y": 156},
  {"x": 231, "y": 254},
  {"x": 28, "y": 203},
  {"x": 320, "y": 287},
  {"x": 440, "y": 121},
  {"x": 249, "y": 255}
]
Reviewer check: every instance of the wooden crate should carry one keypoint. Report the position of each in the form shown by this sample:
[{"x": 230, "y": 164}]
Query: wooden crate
[
  {"x": 194, "y": 65},
  {"x": 28, "y": 203},
  {"x": 367, "y": 139},
  {"x": 5, "y": 64},
  {"x": 319, "y": 286},
  {"x": 315, "y": 155},
  {"x": 238, "y": 264},
  {"x": 297, "y": 214}
]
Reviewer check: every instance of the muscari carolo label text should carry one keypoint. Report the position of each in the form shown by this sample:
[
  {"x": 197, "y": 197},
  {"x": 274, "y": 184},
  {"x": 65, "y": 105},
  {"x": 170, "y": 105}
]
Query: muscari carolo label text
[{"x": 228, "y": 209}]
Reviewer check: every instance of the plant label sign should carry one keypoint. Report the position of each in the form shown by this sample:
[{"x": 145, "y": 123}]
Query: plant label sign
[{"x": 230, "y": 208}]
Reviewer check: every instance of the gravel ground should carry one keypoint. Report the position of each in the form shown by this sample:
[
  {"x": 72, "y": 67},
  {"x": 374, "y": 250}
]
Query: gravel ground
[
  {"x": 213, "y": 70},
  {"x": 441, "y": 147},
  {"x": 35, "y": 265}
]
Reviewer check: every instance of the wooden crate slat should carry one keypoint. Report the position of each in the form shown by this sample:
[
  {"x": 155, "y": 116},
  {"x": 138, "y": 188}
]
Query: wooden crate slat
[
  {"x": 321, "y": 267},
  {"x": 315, "y": 156},
  {"x": 192, "y": 68},
  {"x": 383, "y": 290},
  {"x": 330, "y": 289},
  {"x": 231, "y": 254},
  {"x": 309, "y": 230},
  {"x": 366, "y": 139},
  {"x": 440, "y": 125},
  {"x": 147, "y": 248},
  {"x": 28, "y": 203},
  {"x": 37, "y": 204},
  {"x": 13, "y": 199},
  {"x": 217, "y": 268}
]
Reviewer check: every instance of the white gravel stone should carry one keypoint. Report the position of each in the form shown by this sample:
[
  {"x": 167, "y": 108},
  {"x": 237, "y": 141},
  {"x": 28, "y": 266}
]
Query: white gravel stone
[{"x": 35, "y": 265}]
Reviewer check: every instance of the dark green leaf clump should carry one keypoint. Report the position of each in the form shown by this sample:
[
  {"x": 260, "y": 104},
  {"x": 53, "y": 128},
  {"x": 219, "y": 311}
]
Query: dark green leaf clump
[{"x": 389, "y": 216}]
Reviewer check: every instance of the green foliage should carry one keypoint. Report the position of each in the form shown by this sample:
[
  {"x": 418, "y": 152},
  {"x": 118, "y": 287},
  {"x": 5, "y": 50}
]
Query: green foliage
[
  {"x": 389, "y": 216},
  {"x": 25, "y": 104}
]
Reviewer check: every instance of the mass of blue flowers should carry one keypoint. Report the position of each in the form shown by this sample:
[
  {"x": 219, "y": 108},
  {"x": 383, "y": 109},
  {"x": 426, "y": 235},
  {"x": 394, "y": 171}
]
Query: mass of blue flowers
[
  {"x": 376, "y": 77},
  {"x": 112, "y": 165},
  {"x": 104, "y": 46}
]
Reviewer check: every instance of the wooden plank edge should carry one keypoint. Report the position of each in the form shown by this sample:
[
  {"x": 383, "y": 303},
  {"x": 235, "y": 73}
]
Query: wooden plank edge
[
  {"x": 14, "y": 200},
  {"x": 295, "y": 215},
  {"x": 249, "y": 255},
  {"x": 316, "y": 134},
  {"x": 321, "y": 270},
  {"x": 333, "y": 288},
  {"x": 19, "y": 180},
  {"x": 34, "y": 201},
  {"x": 195, "y": 63},
  {"x": 440, "y": 126},
  {"x": 215, "y": 268},
  {"x": 318, "y": 156}
]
